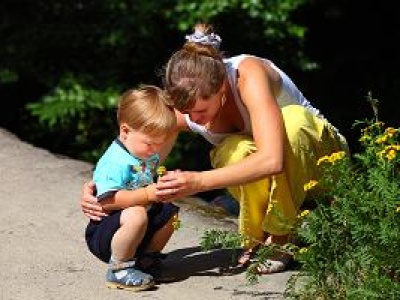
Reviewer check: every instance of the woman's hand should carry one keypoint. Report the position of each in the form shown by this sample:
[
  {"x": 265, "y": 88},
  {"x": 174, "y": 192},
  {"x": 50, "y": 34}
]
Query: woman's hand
[
  {"x": 89, "y": 205},
  {"x": 177, "y": 184}
]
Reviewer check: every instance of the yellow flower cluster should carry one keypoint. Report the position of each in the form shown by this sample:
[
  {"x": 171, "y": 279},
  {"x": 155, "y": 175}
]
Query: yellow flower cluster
[
  {"x": 176, "y": 223},
  {"x": 389, "y": 133},
  {"x": 370, "y": 131},
  {"x": 372, "y": 127},
  {"x": 331, "y": 158},
  {"x": 310, "y": 185},
  {"x": 389, "y": 152}
]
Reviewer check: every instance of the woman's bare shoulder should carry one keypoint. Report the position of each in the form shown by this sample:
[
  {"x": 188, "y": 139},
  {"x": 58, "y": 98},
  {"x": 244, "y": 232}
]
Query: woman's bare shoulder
[{"x": 249, "y": 62}]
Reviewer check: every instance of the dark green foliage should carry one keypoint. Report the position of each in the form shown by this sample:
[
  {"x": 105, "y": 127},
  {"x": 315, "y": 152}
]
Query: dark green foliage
[
  {"x": 68, "y": 56},
  {"x": 353, "y": 240}
]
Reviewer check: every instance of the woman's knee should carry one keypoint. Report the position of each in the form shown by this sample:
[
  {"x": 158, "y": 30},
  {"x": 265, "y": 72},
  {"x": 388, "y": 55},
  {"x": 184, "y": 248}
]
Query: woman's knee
[{"x": 232, "y": 150}]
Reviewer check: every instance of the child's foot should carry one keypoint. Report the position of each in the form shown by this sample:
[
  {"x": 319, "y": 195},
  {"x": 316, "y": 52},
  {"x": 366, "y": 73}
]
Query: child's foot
[{"x": 126, "y": 276}]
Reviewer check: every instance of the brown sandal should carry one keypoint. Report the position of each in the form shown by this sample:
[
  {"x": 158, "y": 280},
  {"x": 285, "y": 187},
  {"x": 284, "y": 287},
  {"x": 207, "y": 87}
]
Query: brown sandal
[
  {"x": 244, "y": 260},
  {"x": 273, "y": 265},
  {"x": 246, "y": 257}
]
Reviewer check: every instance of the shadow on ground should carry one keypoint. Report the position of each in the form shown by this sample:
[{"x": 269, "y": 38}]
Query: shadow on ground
[{"x": 186, "y": 262}]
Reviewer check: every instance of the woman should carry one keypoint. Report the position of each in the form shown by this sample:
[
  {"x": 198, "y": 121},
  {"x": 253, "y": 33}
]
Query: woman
[{"x": 267, "y": 138}]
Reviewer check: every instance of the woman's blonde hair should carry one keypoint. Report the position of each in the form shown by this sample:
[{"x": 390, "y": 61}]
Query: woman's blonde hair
[
  {"x": 147, "y": 109},
  {"x": 195, "y": 71}
]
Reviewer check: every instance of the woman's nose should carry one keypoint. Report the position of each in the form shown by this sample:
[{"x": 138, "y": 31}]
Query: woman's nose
[{"x": 195, "y": 117}]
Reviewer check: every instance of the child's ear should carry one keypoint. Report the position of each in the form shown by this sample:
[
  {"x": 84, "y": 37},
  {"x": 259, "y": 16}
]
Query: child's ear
[{"x": 123, "y": 130}]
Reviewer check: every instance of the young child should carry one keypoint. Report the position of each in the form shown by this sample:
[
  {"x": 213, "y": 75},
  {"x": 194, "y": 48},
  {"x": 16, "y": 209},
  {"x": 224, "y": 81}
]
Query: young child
[{"x": 137, "y": 225}]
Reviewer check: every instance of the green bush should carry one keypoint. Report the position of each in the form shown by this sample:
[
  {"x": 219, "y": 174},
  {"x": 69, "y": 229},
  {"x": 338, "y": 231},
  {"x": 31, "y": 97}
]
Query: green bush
[
  {"x": 75, "y": 118},
  {"x": 353, "y": 235}
]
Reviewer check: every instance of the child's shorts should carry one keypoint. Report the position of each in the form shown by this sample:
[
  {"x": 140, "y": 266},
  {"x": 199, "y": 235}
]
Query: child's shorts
[{"x": 100, "y": 233}]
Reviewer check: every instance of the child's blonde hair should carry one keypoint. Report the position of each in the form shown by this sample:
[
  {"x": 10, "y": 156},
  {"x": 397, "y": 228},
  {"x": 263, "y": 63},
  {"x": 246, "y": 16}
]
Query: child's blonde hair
[{"x": 147, "y": 109}]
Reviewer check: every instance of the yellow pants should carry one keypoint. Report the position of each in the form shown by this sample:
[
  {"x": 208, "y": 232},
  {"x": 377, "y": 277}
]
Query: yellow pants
[{"x": 309, "y": 138}]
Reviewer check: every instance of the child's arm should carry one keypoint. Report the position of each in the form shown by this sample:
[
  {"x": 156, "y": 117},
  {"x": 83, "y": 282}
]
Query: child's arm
[{"x": 127, "y": 198}]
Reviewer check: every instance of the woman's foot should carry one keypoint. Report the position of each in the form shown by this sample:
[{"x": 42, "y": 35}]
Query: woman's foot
[
  {"x": 274, "y": 265},
  {"x": 277, "y": 263},
  {"x": 246, "y": 257}
]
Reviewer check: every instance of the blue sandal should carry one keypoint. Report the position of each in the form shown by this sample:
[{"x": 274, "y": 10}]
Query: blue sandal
[{"x": 127, "y": 276}]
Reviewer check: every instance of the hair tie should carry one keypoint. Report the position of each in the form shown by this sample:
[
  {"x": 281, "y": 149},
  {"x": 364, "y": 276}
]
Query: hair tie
[{"x": 210, "y": 39}]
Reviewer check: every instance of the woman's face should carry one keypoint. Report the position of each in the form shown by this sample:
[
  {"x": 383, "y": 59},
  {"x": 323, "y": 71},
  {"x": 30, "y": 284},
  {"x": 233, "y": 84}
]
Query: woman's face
[{"x": 206, "y": 109}]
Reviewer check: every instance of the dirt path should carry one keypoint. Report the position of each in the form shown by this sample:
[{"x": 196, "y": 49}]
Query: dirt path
[{"x": 43, "y": 254}]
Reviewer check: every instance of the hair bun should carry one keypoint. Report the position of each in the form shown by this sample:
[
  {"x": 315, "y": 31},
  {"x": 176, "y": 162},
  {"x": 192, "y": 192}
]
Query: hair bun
[{"x": 208, "y": 39}]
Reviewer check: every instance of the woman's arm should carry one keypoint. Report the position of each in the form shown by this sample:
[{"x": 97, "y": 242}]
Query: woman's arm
[
  {"x": 95, "y": 210},
  {"x": 89, "y": 205},
  {"x": 256, "y": 86}
]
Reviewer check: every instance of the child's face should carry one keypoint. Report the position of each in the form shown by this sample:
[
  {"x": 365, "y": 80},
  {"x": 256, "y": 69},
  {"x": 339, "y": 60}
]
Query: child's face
[{"x": 140, "y": 144}]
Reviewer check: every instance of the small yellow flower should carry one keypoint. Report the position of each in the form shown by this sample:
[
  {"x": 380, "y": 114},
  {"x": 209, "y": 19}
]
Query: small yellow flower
[
  {"x": 391, "y": 154},
  {"x": 336, "y": 156},
  {"x": 390, "y": 131},
  {"x": 381, "y": 139},
  {"x": 398, "y": 209},
  {"x": 322, "y": 159},
  {"x": 393, "y": 147},
  {"x": 304, "y": 213},
  {"x": 303, "y": 250},
  {"x": 161, "y": 170},
  {"x": 310, "y": 185}
]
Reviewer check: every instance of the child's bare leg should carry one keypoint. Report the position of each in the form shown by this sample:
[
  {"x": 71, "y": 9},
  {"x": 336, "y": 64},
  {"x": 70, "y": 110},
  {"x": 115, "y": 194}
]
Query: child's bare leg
[
  {"x": 161, "y": 237},
  {"x": 128, "y": 237},
  {"x": 151, "y": 260}
]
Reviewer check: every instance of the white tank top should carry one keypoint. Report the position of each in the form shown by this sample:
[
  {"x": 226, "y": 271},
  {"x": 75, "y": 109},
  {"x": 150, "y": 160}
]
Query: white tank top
[{"x": 289, "y": 94}]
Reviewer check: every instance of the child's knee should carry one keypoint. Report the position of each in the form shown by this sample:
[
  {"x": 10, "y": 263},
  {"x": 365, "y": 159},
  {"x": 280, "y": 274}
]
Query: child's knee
[{"x": 135, "y": 215}]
